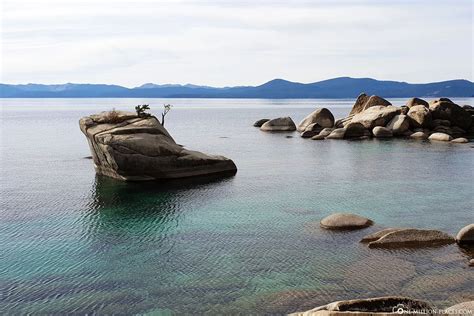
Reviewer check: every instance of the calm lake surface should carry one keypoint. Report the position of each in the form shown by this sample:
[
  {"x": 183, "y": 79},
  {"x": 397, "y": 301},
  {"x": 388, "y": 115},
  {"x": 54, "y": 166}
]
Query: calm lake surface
[{"x": 72, "y": 242}]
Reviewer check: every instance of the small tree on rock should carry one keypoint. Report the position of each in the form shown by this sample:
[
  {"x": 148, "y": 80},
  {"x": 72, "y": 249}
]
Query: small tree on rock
[
  {"x": 140, "y": 109},
  {"x": 166, "y": 109}
]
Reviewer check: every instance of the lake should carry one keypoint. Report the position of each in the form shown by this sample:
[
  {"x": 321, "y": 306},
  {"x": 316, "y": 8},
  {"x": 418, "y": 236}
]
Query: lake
[{"x": 73, "y": 242}]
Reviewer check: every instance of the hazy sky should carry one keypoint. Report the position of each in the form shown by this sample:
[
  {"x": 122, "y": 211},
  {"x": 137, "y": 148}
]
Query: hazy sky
[{"x": 234, "y": 42}]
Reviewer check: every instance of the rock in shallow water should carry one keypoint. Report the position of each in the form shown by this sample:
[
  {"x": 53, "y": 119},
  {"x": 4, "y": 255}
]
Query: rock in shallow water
[
  {"x": 369, "y": 306},
  {"x": 260, "y": 122},
  {"x": 323, "y": 117},
  {"x": 136, "y": 148},
  {"x": 411, "y": 237},
  {"x": 460, "y": 140},
  {"x": 281, "y": 124},
  {"x": 382, "y": 132},
  {"x": 440, "y": 137},
  {"x": 466, "y": 235},
  {"x": 345, "y": 221}
]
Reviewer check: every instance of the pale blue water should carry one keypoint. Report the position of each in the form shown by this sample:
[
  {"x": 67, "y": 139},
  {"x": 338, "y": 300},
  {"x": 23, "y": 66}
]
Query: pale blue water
[{"x": 71, "y": 242}]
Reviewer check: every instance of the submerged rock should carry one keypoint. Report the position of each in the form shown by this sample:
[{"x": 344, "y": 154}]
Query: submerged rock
[
  {"x": 345, "y": 221},
  {"x": 362, "y": 307},
  {"x": 378, "y": 235},
  {"x": 281, "y": 124},
  {"x": 136, "y": 148},
  {"x": 260, "y": 122},
  {"x": 411, "y": 237},
  {"x": 466, "y": 235},
  {"x": 323, "y": 117}
]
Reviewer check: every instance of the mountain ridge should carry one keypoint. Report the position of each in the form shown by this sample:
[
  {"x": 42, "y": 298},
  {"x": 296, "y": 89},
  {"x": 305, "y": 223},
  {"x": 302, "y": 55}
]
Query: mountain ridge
[{"x": 340, "y": 87}]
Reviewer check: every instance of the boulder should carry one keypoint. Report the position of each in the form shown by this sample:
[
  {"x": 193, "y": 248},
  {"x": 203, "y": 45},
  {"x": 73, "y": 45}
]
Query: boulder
[
  {"x": 355, "y": 130},
  {"x": 457, "y": 131},
  {"x": 382, "y": 132},
  {"x": 411, "y": 237},
  {"x": 364, "y": 102},
  {"x": 445, "y": 109},
  {"x": 260, "y": 122},
  {"x": 370, "y": 306},
  {"x": 419, "y": 116},
  {"x": 345, "y": 221},
  {"x": 343, "y": 121},
  {"x": 323, "y": 117},
  {"x": 460, "y": 140},
  {"x": 338, "y": 133},
  {"x": 311, "y": 130},
  {"x": 466, "y": 235},
  {"x": 443, "y": 129},
  {"x": 416, "y": 101},
  {"x": 419, "y": 135},
  {"x": 281, "y": 124},
  {"x": 399, "y": 124},
  {"x": 377, "y": 235},
  {"x": 439, "y": 122},
  {"x": 376, "y": 116},
  {"x": 441, "y": 137},
  {"x": 323, "y": 134},
  {"x": 131, "y": 148},
  {"x": 461, "y": 309}
]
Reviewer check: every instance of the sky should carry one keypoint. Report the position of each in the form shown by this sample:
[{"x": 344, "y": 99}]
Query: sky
[{"x": 230, "y": 43}]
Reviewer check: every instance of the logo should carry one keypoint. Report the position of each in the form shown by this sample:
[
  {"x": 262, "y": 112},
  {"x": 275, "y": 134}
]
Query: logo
[{"x": 399, "y": 309}]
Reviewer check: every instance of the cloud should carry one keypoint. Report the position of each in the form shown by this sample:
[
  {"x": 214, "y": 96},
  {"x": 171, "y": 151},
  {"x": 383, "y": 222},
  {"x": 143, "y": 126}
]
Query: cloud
[{"x": 234, "y": 42}]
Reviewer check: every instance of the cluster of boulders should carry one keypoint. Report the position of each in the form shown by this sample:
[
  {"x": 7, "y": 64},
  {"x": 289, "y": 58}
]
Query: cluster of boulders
[
  {"x": 373, "y": 116},
  {"x": 397, "y": 237},
  {"x": 134, "y": 148},
  {"x": 392, "y": 238}
]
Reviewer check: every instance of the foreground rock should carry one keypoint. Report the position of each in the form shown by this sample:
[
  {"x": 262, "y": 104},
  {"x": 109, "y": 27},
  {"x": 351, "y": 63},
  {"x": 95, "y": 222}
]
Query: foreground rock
[
  {"x": 409, "y": 237},
  {"x": 281, "y": 124},
  {"x": 127, "y": 147},
  {"x": 466, "y": 235},
  {"x": 465, "y": 308},
  {"x": 345, "y": 221},
  {"x": 460, "y": 140},
  {"x": 323, "y": 117},
  {"x": 369, "y": 306},
  {"x": 260, "y": 122}
]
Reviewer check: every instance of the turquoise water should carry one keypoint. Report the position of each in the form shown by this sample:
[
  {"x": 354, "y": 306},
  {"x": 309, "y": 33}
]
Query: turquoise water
[{"x": 72, "y": 242}]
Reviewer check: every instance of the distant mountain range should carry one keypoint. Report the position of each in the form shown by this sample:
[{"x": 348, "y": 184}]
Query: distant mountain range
[{"x": 343, "y": 87}]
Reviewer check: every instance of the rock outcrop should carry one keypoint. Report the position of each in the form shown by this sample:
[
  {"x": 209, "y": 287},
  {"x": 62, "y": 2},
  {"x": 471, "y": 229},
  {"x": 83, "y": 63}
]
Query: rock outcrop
[
  {"x": 127, "y": 147},
  {"x": 409, "y": 237},
  {"x": 370, "y": 306},
  {"x": 445, "y": 109},
  {"x": 466, "y": 235},
  {"x": 323, "y": 117},
  {"x": 345, "y": 221},
  {"x": 281, "y": 124}
]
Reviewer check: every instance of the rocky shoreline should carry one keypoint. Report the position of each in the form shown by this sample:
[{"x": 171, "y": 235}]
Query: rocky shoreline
[
  {"x": 439, "y": 120},
  {"x": 393, "y": 238}
]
